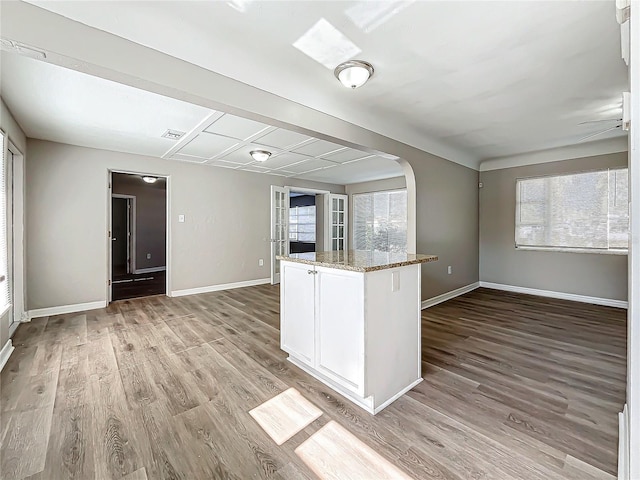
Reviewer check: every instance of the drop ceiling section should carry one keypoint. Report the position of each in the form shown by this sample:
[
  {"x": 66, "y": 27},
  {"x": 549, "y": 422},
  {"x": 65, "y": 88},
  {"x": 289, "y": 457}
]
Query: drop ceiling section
[{"x": 225, "y": 140}]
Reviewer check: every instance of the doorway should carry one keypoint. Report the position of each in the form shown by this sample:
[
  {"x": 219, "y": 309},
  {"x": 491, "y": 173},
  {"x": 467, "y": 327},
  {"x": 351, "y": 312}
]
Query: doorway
[{"x": 138, "y": 236}]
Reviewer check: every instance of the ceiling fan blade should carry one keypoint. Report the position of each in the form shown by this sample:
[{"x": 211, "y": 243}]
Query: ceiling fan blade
[
  {"x": 598, "y": 133},
  {"x": 599, "y": 121}
]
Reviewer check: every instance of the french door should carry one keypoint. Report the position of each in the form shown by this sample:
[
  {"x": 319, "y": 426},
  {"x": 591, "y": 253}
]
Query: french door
[
  {"x": 279, "y": 228},
  {"x": 338, "y": 222}
]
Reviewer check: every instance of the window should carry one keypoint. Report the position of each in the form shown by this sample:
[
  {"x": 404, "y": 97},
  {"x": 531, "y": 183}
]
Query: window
[
  {"x": 581, "y": 211},
  {"x": 4, "y": 266},
  {"x": 380, "y": 221},
  {"x": 302, "y": 224}
]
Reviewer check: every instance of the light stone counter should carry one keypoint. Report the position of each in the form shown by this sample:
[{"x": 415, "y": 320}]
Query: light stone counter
[{"x": 358, "y": 260}]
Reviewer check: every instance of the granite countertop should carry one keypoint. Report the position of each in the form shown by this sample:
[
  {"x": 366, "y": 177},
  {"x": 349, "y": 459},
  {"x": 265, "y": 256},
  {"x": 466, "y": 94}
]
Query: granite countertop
[{"x": 358, "y": 260}]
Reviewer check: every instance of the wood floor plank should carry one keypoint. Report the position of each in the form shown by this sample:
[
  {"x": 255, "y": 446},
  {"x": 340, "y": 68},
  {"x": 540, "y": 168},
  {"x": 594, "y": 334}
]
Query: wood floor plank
[{"x": 515, "y": 387}]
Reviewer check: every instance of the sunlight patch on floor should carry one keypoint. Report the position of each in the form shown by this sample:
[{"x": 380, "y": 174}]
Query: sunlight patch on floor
[
  {"x": 285, "y": 415},
  {"x": 332, "y": 453}
]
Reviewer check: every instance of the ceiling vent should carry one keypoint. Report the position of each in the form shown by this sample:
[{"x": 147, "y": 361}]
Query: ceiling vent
[{"x": 173, "y": 134}]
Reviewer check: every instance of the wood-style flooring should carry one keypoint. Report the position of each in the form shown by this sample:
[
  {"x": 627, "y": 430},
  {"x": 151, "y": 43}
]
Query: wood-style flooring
[
  {"x": 134, "y": 285},
  {"x": 516, "y": 387}
]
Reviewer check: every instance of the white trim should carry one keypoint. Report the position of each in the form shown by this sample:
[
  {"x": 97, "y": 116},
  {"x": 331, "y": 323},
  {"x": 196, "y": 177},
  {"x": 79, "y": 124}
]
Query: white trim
[
  {"x": 607, "y": 302},
  {"x": 309, "y": 191},
  {"x": 150, "y": 270},
  {"x": 221, "y": 286},
  {"x": 78, "y": 307},
  {"x": 5, "y": 353},
  {"x": 580, "y": 150},
  {"x": 623, "y": 444},
  {"x": 384, "y": 405},
  {"x": 430, "y": 302},
  {"x": 12, "y": 328}
]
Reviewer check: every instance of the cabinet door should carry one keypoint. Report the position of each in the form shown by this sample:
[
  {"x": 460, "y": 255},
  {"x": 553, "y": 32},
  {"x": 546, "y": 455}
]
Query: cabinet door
[
  {"x": 340, "y": 326},
  {"x": 297, "y": 317}
]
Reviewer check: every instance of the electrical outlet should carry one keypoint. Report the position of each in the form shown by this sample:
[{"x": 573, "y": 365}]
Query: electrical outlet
[
  {"x": 181, "y": 218},
  {"x": 449, "y": 270},
  {"x": 148, "y": 256},
  {"x": 261, "y": 263}
]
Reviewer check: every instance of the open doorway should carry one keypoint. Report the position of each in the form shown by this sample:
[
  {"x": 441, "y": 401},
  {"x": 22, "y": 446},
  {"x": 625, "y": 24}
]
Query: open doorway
[{"x": 138, "y": 253}]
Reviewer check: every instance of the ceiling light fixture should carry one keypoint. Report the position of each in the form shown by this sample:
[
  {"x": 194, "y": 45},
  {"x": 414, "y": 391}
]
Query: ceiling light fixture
[
  {"x": 354, "y": 73},
  {"x": 150, "y": 179},
  {"x": 260, "y": 155}
]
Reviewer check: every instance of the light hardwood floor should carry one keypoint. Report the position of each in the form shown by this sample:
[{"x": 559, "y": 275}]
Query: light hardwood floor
[{"x": 516, "y": 387}]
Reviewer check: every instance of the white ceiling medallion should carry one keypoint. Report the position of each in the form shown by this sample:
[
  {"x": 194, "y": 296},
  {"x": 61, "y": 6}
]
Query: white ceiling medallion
[
  {"x": 354, "y": 73},
  {"x": 260, "y": 155}
]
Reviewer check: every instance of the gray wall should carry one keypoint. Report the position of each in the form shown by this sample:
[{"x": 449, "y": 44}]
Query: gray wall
[
  {"x": 596, "y": 275},
  {"x": 151, "y": 217},
  {"x": 15, "y": 134},
  {"x": 225, "y": 233}
]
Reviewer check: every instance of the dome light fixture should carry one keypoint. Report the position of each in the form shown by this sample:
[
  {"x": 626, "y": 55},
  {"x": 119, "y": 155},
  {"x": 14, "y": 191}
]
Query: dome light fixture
[
  {"x": 260, "y": 155},
  {"x": 150, "y": 179},
  {"x": 354, "y": 73}
]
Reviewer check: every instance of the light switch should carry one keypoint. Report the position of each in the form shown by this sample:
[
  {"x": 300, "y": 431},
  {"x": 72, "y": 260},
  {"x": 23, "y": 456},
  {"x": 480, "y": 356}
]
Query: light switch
[
  {"x": 395, "y": 281},
  {"x": 181, "y": 218}
]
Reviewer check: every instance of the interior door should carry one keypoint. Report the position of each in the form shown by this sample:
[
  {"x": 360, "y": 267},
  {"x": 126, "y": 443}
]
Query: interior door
[
  {"x": 279, "y": 228},
  {"x": 338, "y": 222},
  {"x": 119, "y": 236}
]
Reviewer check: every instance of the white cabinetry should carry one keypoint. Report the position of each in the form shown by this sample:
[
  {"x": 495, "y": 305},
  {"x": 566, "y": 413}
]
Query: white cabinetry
[{"x": 358, "y": 332}]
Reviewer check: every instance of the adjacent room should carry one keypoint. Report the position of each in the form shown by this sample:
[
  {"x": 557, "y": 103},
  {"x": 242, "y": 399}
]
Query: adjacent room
[{"x": 320, "y": 240}]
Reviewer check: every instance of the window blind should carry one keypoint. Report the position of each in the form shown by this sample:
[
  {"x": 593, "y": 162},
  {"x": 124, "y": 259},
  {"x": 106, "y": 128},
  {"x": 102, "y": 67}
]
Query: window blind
[
  {"x": 586, "y": 211},
  {"x": 4, "y": 275},
  {"x": 302, "y": 224},
  {"x": 380, "y": 221}
]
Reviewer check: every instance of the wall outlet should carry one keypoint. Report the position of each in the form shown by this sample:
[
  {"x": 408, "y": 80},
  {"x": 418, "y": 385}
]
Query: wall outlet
[
  {"x": 261, "y": 263},
  {"x": 449, "y": 270},
  {"x": 148, "y": 256},
  {"x": 181, "y": 218}
]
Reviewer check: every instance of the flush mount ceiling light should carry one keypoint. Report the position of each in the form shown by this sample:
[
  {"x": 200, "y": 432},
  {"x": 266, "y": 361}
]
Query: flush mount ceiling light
[
  {"x": 150, "y": 179},
  {"x": 354, "y": 73},
  {"x": 260, "y": 155}
]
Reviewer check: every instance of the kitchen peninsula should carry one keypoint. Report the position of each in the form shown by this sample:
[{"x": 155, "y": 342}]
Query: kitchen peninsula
[{"x": 352, "y": 320}]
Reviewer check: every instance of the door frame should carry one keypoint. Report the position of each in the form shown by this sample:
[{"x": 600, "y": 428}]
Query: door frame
[
  {"x": 131, "y": 230},
  {"x": 108, "y": 189}
]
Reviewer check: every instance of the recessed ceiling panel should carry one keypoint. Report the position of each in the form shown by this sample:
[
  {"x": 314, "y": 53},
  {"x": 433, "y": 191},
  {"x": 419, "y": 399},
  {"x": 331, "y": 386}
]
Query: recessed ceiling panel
[
  {"x": 285, "y": 159},
  {"x": 236, "y": 127},
  {"x": 346, "y": 155},
  {"x": 308, "y": 165},
  {"x": 375, "y": 168},
  {"x": 207, "y": 145},
  {"x": 280, "y": 138},
  {"x": 316, "y": 149}
]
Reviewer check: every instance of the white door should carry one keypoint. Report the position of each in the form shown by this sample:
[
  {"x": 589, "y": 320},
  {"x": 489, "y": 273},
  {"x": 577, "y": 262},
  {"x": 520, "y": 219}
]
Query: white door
[
  {"x": 297, "y": 301},
  {"x": 279, "y": 228},
  {"x": 338, "y": 222}
]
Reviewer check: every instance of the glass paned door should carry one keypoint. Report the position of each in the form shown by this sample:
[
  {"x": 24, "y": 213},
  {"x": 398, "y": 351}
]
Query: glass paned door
[
  {"x": 338, "y": 222},
  {"x": 279, "y": 228}
]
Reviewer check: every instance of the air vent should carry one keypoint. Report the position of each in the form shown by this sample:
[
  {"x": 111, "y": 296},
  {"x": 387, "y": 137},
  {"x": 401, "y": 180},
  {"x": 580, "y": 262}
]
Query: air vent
[{"x": 173, "y": 134}]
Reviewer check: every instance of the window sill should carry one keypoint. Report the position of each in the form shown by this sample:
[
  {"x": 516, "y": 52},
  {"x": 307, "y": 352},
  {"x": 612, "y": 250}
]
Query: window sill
[
  {"x": 4, "y": 310},
  {"x": 575, "y": 250}
]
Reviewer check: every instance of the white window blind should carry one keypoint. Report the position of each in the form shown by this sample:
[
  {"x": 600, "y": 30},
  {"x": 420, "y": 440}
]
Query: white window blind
[
  {"x": 380, "y": 221},
  {"x": 580, "y": 211},
  {"x": 302, "y": 224},
  {"x": 4, "y": 275}
]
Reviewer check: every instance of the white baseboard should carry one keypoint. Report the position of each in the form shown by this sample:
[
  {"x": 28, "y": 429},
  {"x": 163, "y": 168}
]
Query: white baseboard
[
  {"x": 222, "y": 286},
  {"x": 607, "y": 302},
  {"x": 623, "y": 444},
  {"x": 79, "y": 307},
  {"x": 149, "y": 270},
  {"x": 12, "y": 328},
  {"x": 5, "y": 353},
  {"x": 430, "y": 302}
]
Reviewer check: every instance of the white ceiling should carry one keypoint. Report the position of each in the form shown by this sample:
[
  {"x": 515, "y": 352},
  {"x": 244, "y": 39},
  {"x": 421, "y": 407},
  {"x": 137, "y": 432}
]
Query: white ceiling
[
  {"x": 465, "y": 80},
  {"x": 62, "y": 105}
]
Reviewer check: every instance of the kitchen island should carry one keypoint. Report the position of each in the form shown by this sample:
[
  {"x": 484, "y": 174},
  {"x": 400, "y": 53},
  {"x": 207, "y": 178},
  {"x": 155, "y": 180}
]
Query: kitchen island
[{"x": 352, "y": 320}]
